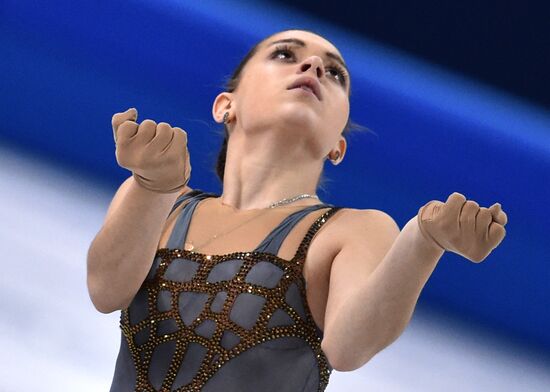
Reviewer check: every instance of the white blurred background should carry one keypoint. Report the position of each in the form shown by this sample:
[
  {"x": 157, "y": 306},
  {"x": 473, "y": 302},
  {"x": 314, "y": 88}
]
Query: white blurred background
[{"x": 53, "y": 339}]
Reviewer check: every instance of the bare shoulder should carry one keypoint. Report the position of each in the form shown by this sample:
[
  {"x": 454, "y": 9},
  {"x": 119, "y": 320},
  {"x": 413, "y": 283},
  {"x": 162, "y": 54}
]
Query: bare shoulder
[
  {"x": 360, "y": 217},
  {"x": 353, "y": 225}
]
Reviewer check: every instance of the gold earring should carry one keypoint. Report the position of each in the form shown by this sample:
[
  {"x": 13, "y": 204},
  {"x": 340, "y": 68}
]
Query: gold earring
[{"x": 333, "y": 160}]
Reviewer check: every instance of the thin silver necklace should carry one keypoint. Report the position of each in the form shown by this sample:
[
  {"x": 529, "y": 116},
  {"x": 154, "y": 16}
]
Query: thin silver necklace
[
  {"x": 292, "y": 199},
  {"x": 189, "y": 246}
]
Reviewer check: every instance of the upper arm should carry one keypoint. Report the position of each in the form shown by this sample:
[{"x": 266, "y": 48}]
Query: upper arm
[{"x": 369, "y": 234}]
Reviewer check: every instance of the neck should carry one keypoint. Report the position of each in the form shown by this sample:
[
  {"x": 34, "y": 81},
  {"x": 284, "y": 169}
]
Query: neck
[{"x": 256, "y": 177}]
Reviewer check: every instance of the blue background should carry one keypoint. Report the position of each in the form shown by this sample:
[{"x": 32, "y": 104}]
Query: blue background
[{"x": 67, "y": 67}]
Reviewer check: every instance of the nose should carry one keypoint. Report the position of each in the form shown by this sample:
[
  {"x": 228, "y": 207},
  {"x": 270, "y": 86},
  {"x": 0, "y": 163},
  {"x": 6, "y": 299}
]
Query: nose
[{"x": 314, "y": 63}]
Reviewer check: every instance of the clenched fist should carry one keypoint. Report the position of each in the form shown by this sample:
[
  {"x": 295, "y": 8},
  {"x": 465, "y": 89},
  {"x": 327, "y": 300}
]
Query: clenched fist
[
  {"x": 156, "y": 154},
  {"x": 462, "y": 227}
]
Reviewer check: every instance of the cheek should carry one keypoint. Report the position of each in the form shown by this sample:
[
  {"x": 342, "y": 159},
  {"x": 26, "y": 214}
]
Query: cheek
[
  {"x": 258, "y": 95},
  {"x": 256, "y": 106},
  {"x": 339, "y": 114}
]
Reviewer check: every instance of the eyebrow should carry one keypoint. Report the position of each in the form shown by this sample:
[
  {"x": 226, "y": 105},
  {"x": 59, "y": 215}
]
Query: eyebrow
[{"x": 299, "y": 42}]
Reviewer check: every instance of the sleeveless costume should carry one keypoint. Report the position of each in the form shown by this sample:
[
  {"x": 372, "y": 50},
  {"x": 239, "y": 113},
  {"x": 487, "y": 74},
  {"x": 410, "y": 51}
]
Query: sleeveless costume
[{"x": 233, "y": 322}]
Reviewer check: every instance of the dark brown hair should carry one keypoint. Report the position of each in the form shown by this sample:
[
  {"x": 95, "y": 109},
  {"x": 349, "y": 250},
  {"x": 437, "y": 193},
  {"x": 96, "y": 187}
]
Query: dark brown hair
[{"x": 231, "y": 84}]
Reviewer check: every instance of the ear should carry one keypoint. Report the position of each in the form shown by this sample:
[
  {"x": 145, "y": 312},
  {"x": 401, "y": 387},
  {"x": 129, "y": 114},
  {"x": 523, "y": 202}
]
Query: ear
[
  {"x": 222, "y": 104},
  {"x": 341, "y": 146}
]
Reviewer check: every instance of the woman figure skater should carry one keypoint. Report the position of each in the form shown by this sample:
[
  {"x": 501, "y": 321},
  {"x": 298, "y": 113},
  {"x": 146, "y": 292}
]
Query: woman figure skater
[{"x": 264, "y": 287}]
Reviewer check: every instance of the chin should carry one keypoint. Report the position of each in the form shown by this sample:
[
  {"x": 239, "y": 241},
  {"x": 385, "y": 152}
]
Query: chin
[{"x": 299, "y": 116}]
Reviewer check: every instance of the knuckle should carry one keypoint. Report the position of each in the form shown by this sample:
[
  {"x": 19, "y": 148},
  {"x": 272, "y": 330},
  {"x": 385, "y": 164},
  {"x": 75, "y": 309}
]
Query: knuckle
[
  {"x": 115, "y": 120},
  {"x": 164, "y": 129},
  {"x": 483, "y": 213},
  {"x": 147, "y": 126},
  {"x": 458, "y": 195},
  {"x": 124, "y": 127},
  {"x": 148, "y": 122},
  {"x": 118, "y": 117},
  {"x": 472, "y": 204},
  {"x": 180, "y": 137},
  {"x": 180, "y": 133}
]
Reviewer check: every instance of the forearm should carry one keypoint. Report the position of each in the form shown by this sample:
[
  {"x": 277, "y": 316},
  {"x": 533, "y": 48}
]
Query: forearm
[
  {"x": 122, "y": 252},
  {"x": 379, "y": 310}
]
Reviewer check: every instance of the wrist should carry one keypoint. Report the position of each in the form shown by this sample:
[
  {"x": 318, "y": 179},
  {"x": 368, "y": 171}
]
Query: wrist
[
  {"x": 423, "y": 239},
  {"x": 147, "y": 184}
]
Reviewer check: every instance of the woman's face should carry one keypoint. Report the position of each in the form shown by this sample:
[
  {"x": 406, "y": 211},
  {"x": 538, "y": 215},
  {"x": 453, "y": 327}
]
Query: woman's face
[{"x": 263, "y": 97}]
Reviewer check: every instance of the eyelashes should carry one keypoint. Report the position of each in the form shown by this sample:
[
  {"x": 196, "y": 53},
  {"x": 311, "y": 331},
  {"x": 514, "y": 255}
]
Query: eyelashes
[{"x": 333, "y": 67}]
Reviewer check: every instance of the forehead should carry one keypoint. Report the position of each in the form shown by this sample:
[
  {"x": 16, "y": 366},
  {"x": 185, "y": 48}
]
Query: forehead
[{"x": 309, "y": 38}]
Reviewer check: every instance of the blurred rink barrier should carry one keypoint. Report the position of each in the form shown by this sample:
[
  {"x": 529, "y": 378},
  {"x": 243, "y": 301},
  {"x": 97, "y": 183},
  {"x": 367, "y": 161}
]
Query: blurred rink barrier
[{"x": 67, "y": 67}]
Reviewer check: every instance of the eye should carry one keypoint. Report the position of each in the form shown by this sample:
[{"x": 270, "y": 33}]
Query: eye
[
  {"x": 335, "y": 70},
  {"x": 282, "y": 50},
  {"x": 339, "y": 71}
]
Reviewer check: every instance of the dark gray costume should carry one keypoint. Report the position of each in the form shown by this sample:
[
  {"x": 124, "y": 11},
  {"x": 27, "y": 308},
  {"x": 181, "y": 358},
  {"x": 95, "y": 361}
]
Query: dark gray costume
[{"x": 235, "y": 323}]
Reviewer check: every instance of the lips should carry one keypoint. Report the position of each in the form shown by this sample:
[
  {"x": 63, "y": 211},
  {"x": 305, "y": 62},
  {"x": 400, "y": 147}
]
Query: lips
[{"x": 309, "y": 82}]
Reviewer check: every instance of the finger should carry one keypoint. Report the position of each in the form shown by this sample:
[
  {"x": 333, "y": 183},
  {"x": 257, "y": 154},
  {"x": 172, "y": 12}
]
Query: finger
[
  {"x": 126, "y": 131},
  {"x": 468, "y": 214},
  {"x": 453, "y": 205},
  {"x": 180, "y": 135},
  {"x": 429, "y": 211},
  {"x": 497, "y": 232},
  {"x": 146, "y": 132},
  {"x": 179, "y": 144},
  {"x": 483, "y": 220},
  {"x": 163, "y": 137},
  {"x": 503, "y": 218},
  {"x": 499, "y": 216},
  {"x": 118, "y": 118}
]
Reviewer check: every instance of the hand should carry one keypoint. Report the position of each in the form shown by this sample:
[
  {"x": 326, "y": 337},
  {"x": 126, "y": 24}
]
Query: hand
[
  {"x": 462, "y": 227},
  {"x": 156, "y": 154}
]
